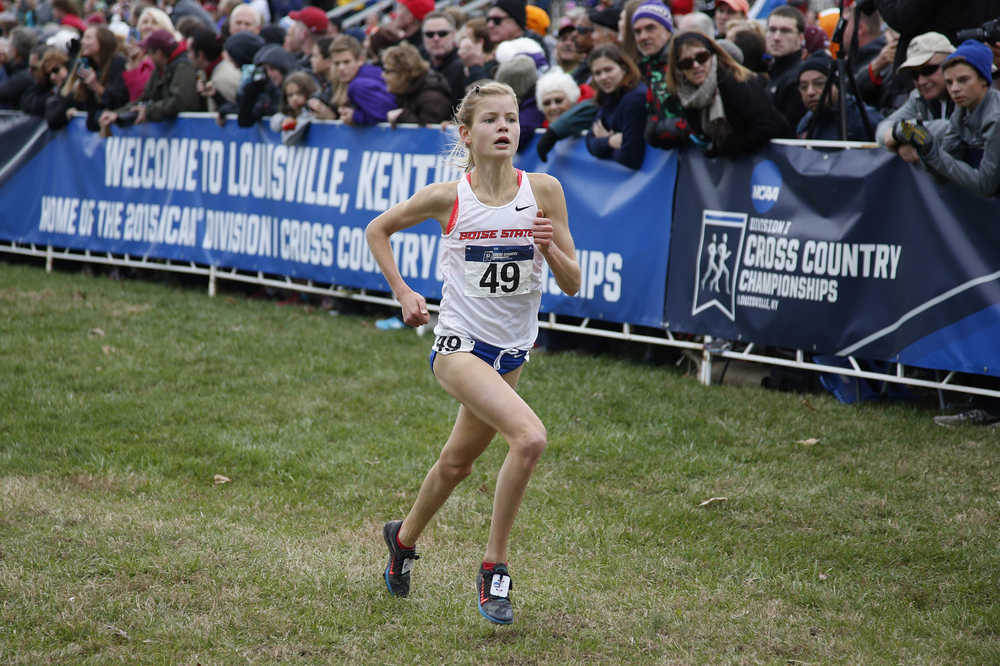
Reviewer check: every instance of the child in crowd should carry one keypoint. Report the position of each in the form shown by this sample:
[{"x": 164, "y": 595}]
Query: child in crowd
[{"x": 294, "y": 119}]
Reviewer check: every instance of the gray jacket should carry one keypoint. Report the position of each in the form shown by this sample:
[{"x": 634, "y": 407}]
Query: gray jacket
[
  {"x": 970, "y": 133},
  {"x": 934, "y": 114}
]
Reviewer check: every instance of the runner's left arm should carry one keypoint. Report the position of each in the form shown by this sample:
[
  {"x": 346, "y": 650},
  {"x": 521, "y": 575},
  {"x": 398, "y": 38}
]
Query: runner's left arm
[{"x": 551, "y": 232}]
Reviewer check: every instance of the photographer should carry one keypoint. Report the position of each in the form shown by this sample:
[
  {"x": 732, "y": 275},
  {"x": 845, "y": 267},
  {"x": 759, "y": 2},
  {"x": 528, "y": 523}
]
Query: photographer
[
  {"x": 171, "y": 89},
  {"x": 969, "y": 152},
  {"x": 261, "y": 96},
  {"x": 95, "y": 82}
]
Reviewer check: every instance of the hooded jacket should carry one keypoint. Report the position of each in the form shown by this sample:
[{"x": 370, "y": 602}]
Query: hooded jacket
[
  {"x": 427, "y": 100},
  {"x": 369, "y": 96},
  {"x": 173, "y": 89},
  {"x": 969, "y": 152}
]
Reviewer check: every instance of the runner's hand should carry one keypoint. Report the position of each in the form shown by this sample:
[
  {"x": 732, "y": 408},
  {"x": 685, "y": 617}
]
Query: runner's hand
[
  {"x": 414, "y": 309},
  {"x": 542, "y": 231}
]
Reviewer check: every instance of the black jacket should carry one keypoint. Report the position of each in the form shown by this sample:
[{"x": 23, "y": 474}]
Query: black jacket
[
  {"x": 427, "y": 100},
  {"x": 752, "y": 118},
  {"x": 453, "y": 72},
  {"x": 784, "y": 87}
]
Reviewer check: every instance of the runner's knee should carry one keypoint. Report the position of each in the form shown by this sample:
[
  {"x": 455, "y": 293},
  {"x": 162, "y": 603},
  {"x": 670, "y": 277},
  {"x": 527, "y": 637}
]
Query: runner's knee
[
  {"x": 453, "y": 470},
  {"x": 530, "y": 444}
]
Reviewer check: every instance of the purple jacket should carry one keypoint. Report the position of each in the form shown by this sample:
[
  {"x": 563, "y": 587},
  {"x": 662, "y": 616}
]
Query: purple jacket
[
  {"x": 369, "y": 96},
  {"x": 530, "y": 118}
]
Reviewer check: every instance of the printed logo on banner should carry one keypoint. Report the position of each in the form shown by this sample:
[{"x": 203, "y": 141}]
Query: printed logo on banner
[
  {"x": 719, "y": 252},
  {"x": 765, "y": 186}
]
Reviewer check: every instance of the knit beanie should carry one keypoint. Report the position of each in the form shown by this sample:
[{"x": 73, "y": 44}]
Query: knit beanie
[
  {"x": 656, "y": 11},
  {"x": 515, "y": 9},
  {"x": 819, "y": 62},
  {"x": 520, "y": 74},
  {"x": 976, "y": 55},
  {"x": 242, "y": 47}
]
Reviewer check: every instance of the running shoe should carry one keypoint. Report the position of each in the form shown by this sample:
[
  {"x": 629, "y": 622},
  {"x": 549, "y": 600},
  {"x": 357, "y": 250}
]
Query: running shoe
[
  {"x": 493, "y": 590},
  {"x": 397, "y": 571}
]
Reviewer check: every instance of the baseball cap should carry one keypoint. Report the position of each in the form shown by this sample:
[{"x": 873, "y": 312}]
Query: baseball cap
[
  {"x": 924, "y": 47},
  {"x": 159, "y": 40},
  {"x": 566, "y": 25},
  {"x": 314, "y": 18}
]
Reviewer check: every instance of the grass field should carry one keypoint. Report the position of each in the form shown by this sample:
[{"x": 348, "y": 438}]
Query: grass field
[{"x": 121, "y": 401}]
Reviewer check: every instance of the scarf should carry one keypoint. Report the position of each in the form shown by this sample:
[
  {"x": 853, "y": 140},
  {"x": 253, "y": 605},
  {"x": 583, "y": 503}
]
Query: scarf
[{"x": 707, "y": 99}]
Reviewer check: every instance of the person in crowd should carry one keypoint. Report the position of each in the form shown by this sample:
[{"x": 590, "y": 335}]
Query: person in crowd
[
  {"x": 240, "y": 49},
  {"x": 439, "y": 42},
  {"x": 589, "y": 35},
  {"x": 507, "y": 19},
  {"x": 260, "y": 97},
  {"x": 33, "y": 99},
  {"x": 95, "y": 84},
  {"x": 308, "y": 24},
  {"x": 521, "y": 75},
  {"x": 626, "y": 37},
  {"x": 652, "y": 26},
  {"x": 603, "y": 23},
  {"x": 409, "y": 16},
  {"x": 617, "y": 132},
  {"x": 749, "y": 39},
  {"x": 567, "y": 58},
  {"x": 929, "y": 102},
  {"x": 784, "y": 36},
  {"x": 727, "y": 110},
  {"x": 19, "y": 77},
  {"x": 367, "y": 100},
  {"x": 422, "y": 95},
  {"x": 140, "y": 65},
  {"x": 57, "y": 107},
  {"x": 244, "y": 18},
  {"x": 218, "y": 78},
  {"x": 172, "y": 88},
  {"x": 67, "y": 13},
  {"x": 876, "y": 52},
  {"x": 293, "y": 117},
  {"x": 180, "y": 9},
  {"x": 728, "y": 11},
  {"x": 556, "y": 93},
  {"x": 968, "y": 154},
  {"x": 153, "y": 18},
  {"x": 477, "y": 51},
  {"x": 813, "y": 75},
  {"x": 323, "y": 104}
]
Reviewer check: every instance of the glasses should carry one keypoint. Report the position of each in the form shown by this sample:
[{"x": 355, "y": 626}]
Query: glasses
[
  {"x": 926, "y": 70},
  {"x": 440, "y": 34},
  {"x": 687, "y": 63},
  {"x": 496, "y": 20}
]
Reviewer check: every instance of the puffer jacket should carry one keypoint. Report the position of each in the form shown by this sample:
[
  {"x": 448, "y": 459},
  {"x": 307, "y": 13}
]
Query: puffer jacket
[{"x": 969, "y": 152}]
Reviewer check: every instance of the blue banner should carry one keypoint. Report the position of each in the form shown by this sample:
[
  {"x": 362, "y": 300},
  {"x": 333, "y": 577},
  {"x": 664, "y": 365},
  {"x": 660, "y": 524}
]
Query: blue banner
[
  {"x": 852, "y": 253},
  {"x": 236, "y": 197}
]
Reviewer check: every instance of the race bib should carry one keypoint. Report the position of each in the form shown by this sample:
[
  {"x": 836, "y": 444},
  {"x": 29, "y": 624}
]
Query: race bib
[
  {"x": 449, "y": 344},
  {"x": 499, "y": 270}
]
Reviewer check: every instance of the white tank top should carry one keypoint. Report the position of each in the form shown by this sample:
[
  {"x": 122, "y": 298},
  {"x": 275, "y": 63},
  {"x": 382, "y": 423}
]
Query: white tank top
[{"x": 491, "y": 269}]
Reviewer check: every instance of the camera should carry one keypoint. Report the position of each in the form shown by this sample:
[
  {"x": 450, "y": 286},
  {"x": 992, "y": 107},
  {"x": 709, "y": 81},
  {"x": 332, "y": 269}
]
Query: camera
[{"x": 989, "y": 33}]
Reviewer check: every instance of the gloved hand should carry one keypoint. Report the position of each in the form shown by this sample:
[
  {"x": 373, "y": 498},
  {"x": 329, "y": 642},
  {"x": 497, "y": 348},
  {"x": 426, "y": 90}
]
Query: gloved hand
[
  {"x": 546, "y": 144},
  {"x": 914, "y": 133},
  {"x": 668, "y": 132}
]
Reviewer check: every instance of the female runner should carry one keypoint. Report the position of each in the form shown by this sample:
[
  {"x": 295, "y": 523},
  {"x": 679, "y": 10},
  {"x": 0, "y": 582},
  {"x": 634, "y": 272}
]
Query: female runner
[{"x": 495, "y": 237}]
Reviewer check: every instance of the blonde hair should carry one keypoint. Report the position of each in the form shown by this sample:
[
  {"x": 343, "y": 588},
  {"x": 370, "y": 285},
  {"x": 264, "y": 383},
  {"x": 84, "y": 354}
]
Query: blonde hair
[
  {"x": 161, "y": 20},
  {"x": 465, "y": 114}
]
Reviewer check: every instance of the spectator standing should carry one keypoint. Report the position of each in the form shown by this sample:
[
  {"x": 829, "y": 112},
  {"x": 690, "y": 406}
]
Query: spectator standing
[
  {"x": 749, "y": 39},
  {"x": 140, "y": 65},
  {"x": 368, "y": 99},
  {"x": 968, "y": 154},
  {"x": 244, "y": 18},
  {"x": 652, "y": 26},
  {"x": 477, "y": 51},
  {"x": 726, "y": 108},
  {"x": 566, "y": 56},
  {"x": 422, "y": 95},
  {"x": 728, "y": 11},
  {"x": 33, "y": 99},
  {"x": 218, "y": 78},
  {"x": 260, "y": 97},
  {"x": 181, "y": 8},
  {"x": 696, "y": 22},
  {"x": 784, "y": 39},
  {"x": 309, "y": 24},
  {"x": 19, "y": 77},
  {"x": 96, "y": 82},
  {"x": 617, "y": 132},
  {"x": 171, "y": 89},
  {"x": 873, "y": 59},
  {"x": 294, "y": 116},
  {"x": 813, "y": 75},
  {"x": 929, "y": 102},
  {"x": 439, "y": 43},
  {"x": 507, "y": 20},
  {"x": 409, "y": 16}
]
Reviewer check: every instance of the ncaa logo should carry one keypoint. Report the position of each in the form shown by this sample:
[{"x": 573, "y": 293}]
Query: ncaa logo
[{"x": 765, "y": 186}]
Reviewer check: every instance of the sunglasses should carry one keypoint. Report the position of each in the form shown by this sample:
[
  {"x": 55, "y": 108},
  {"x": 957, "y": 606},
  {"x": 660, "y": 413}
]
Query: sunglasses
[
  {"x": 926, "y": 70},
  {"x": 584, "y": 29},
  {"x": 496, "y": 20},
  {"x": 431, "y": 34},
  {"x": 687, "y": 63}
]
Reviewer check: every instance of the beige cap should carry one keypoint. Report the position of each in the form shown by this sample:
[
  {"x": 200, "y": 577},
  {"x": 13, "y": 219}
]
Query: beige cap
[{"x": 924, "y": 47}]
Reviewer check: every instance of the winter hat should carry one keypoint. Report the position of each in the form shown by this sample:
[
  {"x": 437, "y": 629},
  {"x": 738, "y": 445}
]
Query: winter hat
[
  {"x": 277, "y": 57},
  {"x": 159, "y": 40},
  {"x": 976, "y": 55},
  {"x": 607, "y": 17},
  {"x": 515, "y": 9},
  {"x": 520, "y": 74},
  {"x": 314, "y": 18},
  {"x": 557, "y": 80},
  {"x": 656, "y": 11},
  {"x": 419, "y": 8},
  {"x": 815, "y": 39},
  {"x": 511, "y": 48},
  {"x": 924, "y": 47},
  {"x": 242, "y": 47},
  {"x": 819, "y": 62},
  {"x": 536, "y": 19},
  {"x": 273, "y": 34}
]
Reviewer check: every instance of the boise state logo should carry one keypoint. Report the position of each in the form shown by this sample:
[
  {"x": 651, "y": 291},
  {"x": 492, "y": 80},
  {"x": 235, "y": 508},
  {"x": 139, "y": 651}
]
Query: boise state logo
[
  {"x": 765, "y": 186},
  {"x": 719, "y": 252}
]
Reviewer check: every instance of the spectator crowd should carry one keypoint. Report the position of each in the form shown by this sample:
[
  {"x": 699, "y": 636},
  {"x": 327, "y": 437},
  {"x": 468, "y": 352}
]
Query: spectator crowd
[{"x": 915, "y": 76}]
